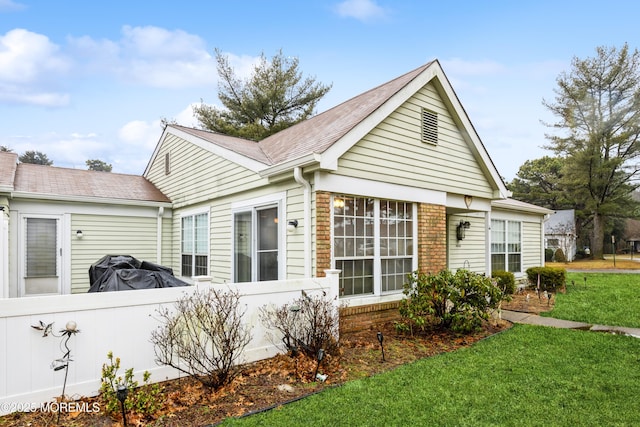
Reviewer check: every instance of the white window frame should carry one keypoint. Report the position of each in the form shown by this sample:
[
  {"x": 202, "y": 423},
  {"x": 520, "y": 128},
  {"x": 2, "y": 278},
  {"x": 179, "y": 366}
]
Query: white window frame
[
  {"x": 254, "y": 205},
  {"x": 377, "y": 258},
  {"x": 193, "y": 214},
  {"x": 507, "y": 223}
]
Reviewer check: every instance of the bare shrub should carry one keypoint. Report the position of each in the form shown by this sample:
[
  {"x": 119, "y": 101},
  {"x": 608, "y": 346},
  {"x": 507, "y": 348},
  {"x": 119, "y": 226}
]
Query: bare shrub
[
  {"x": 308, "y": 324},
  {"x": 203, "y": 337}
]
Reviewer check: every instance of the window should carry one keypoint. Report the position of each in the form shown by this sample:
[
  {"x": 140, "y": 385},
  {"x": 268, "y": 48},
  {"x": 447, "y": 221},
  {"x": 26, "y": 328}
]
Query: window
[
  {"x": 195, "y": 245},
  {"x": 373, "y": 243},
  {"x": 256, "y": 248},
  {"x": 429, "y": 127},
  {"x": 506, "y": 246},
  {"x": 553, "y": 243}
]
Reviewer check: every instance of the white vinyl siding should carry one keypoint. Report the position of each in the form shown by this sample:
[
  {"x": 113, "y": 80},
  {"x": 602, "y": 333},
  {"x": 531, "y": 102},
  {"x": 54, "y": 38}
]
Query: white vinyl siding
[
  {"x": 111, "y": 235},
  {"x": 394, "y": 152},
  {"x": 532, "y": 252},
  {"x": 469, "y": 253},
  {"x": 198, "y": 175}
]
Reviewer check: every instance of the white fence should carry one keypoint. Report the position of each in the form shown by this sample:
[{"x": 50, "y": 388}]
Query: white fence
[{"x": 120, "y": 322}]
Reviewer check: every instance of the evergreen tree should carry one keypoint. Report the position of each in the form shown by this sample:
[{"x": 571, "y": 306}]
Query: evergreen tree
[{"x": 275, "y": 97}]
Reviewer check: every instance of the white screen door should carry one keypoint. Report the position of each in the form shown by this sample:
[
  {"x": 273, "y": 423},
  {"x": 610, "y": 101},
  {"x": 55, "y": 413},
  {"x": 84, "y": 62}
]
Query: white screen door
[{"x": 42, "y": 255}]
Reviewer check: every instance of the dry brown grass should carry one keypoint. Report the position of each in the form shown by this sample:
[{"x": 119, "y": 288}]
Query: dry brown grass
[{"x": 623, "y": 262}]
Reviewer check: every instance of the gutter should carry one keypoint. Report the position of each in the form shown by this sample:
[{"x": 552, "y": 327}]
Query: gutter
[
  {"x": 297, "y": 175},
  {"x": 88, "y": 199}
]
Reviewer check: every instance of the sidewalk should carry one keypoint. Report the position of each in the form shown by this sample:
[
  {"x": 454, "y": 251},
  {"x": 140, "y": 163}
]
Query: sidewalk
[{"x": 534, "y": 319}]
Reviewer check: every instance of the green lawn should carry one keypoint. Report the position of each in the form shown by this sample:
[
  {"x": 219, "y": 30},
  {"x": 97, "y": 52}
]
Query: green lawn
[
  {"x": 526, "y": 376},
  {"x": 606, "y": 299}
]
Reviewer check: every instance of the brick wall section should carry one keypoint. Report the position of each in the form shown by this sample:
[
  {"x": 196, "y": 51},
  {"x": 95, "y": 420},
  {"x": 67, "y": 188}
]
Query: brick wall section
[
  {"x": 367, "y": 317},
  {"x": 432, "y": 238},
  {"x": 323, "y": 232}
]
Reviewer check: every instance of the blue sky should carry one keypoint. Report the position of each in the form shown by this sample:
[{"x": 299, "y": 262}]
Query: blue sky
[{"x": 92, "y": 80}]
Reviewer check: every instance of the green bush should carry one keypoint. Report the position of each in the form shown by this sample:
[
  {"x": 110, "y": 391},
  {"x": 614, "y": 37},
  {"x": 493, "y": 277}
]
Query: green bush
[
  {"x": 458, "y": 301},
  {"x": 505, "y": 280},
  {"x": 559, "y": 256},
  {"x": 550, "y": 278},
  {"x": 548, "y": 255},
  {"x": 144, "y": 400}
]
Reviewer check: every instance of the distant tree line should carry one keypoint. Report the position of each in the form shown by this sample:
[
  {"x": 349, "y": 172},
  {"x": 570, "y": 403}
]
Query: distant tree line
[{"x": 40, "y": 158}]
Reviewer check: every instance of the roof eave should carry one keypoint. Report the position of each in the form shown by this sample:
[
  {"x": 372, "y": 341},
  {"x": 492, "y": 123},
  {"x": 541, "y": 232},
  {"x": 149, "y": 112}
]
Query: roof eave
[
  {"x": 284, "y": 167},
  {"x": 88, "y": 199}
]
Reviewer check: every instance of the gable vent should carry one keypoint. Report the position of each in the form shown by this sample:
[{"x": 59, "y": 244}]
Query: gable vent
[{"x": 429, "y": 127}]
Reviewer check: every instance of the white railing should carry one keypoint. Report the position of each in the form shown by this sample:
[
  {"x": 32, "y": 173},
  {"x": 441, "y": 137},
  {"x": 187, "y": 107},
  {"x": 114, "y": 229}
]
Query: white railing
[{"x": 120, "y": 322}]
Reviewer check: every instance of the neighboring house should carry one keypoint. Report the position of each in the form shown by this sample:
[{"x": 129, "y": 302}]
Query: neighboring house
[
  {"x": 391, "y": 181},
  {"x": 560, "y": 233}
]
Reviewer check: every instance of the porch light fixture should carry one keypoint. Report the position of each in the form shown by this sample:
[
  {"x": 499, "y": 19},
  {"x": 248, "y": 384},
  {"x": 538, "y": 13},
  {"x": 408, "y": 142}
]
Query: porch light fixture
[
  {"x": 461, "y": 228},
  {"x": 79, "y": 234},
  {"x": 467, "y": 200},
  {"x": 292, "y": 224}
]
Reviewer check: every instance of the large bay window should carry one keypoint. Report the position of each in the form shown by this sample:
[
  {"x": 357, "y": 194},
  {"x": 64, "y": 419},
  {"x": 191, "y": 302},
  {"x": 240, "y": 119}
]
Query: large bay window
[
  {"x": 373, "y": 244},
  {"x": 195, "y": 245},
  {"x": 506, "y": 246}
]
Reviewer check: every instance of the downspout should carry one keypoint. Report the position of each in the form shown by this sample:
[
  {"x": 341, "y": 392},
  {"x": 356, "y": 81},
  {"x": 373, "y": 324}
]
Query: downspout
[
  {"x": 297, "y": 175},
  {"x": 159, "y": 235}
]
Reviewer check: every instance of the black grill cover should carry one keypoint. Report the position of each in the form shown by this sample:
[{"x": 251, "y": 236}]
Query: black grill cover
[{"x": 124, "y": 272}]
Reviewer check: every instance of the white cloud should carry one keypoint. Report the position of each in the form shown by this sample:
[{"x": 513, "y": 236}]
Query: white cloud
[
  {"x": 186, "y": 118},
  {"x": 362, "y": 10},
  {"x": 150, "y": 56},
  {"x": 10, "y": 6},
  {"x": 29, "y": 66}
]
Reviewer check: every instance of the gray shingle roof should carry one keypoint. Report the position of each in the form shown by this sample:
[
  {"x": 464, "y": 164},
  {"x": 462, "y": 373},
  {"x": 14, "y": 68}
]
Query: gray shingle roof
[
  {"x": 314, "y": 135},
  {"x": 8, "y": 164},
  {"x": 55, "y": 181}
]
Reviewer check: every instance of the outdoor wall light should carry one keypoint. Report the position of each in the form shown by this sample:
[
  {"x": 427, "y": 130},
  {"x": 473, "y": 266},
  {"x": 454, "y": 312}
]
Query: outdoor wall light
[
  {"x": 79, "y": 234},
  {"x": 292, "y": 224},
  {"x": 461, "y": 228}
]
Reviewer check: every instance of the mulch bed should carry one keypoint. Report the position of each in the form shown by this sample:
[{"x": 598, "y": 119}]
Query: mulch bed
[{"x": 273, "y": 382}]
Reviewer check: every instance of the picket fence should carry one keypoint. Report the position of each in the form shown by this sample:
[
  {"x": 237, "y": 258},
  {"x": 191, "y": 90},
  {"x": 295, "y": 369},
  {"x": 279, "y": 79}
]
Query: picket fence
[{"x": 118, "y": 322}]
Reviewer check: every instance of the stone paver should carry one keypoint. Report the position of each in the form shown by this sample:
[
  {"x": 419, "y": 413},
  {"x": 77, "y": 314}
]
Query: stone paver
[{"x": 534, "y": 319}]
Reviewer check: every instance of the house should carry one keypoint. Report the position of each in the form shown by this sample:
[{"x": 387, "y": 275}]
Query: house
[
  {"x": 393, "y": 180},
  {"x": 560, "y": 233}
]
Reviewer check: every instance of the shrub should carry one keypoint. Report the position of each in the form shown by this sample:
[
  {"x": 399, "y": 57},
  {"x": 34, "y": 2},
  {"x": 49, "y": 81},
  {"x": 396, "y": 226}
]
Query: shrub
[
  {"x": 307, "y": 324},
  {"x": 559, "y": 256},
  {"x": 143, "y": 400},
  {"x": 457, "y": 301},
  {"x": 548, "y": 255},
  {"x": 204, "y": 337},
  {"x": 550, "y": 277},
  {"x": 505, "y": 280}
]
